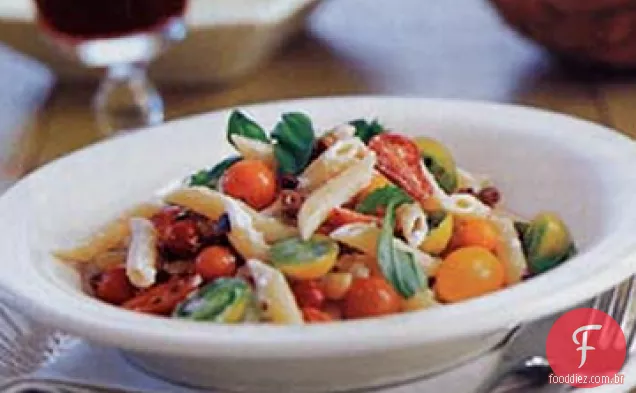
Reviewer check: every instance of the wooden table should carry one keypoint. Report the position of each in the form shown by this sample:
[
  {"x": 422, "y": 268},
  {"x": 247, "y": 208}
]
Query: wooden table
[{"x": 452, "y": 48}]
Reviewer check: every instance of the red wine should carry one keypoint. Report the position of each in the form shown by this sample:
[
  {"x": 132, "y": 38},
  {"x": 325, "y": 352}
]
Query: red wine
[{"x": 93, "y": 19}]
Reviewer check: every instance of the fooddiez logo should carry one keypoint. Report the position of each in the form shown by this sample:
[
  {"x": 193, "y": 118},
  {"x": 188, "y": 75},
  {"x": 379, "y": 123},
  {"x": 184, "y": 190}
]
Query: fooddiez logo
[{"x": 586, "y": 348}]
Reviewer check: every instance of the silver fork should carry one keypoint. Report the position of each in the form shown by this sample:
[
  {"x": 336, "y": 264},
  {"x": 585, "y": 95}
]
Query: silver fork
[
  {"x": 534, "y": 370},
  {"x": 26, "y": 346}
]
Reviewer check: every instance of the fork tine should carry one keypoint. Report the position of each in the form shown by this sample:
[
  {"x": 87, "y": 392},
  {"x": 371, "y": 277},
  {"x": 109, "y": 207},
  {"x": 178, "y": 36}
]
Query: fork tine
[{"x": 621, "y": 300}]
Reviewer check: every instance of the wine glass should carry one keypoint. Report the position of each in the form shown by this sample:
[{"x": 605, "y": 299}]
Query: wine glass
[{"x": 122, "y": 36}]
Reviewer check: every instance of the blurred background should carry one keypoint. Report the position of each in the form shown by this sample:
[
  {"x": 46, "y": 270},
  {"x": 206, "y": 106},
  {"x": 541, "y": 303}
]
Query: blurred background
[{"x": 568, "y": 56}]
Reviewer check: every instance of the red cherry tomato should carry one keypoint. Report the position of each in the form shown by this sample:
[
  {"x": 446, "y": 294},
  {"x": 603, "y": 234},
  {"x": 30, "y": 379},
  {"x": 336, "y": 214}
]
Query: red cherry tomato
[
  {"x": 181, "y": 238},
  {"x": 252, "y": 181},
  {"x": 308, "y": 293},
  {"x": 161, "y": 299},
  {"x": 113, "y": 286},
  {"x": 370, "y": 297},
  {"x": 399, "y": 160},
  {"x": 314, "y": 315},
  {"x": 166, "y": 216},
  {"x": 214, "y": 262}
]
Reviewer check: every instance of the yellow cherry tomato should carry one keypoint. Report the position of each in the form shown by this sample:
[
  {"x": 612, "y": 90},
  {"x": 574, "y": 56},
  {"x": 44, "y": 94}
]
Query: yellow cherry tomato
[
  {"x": 305, "y": 259},
  {"x": 474, "y": 231},
  {"x": 467, "y": 273},
  {"x": 437, "y": 240}
]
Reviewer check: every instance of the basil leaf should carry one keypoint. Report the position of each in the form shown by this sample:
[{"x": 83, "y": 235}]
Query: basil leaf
[
  {"x": 239, "y": 124},
  {"x": 210, "y": 177},
  {"x": 295, "y": 139},
  {"x": 366, "y": 130},
  {"x": 398, "y": 266},
  {"x": 381, "y": 198}
]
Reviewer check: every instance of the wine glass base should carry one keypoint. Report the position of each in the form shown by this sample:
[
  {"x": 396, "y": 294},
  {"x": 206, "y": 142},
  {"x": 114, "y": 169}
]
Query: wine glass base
[{"x": 126, "y": 100}]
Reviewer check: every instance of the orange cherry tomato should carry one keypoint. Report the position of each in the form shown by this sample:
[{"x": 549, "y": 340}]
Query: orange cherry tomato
[
  {"x": 314, "y": 315},
  {"x": 251, "y": 181},
  {"x": 161, "y": 299},
  {"x": 113, "y": 286},
  {"x": 214, "y": 262},
  {"x": 474, "y": 232},
  {"x": 308, "y": 293},
  {"x": 467, "y": 273},
  {"x": 399, "y": 160},
  {"x": 370, "y": 297}
]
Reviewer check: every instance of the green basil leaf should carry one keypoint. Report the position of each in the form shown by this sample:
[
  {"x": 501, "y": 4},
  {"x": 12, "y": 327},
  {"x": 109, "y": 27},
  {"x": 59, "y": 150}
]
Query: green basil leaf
[
  {"x": 381, "y": 198},
  {"x": 210, "y": 177},
  {"x": 295, "y": 139},
  {"x": 398, "y": 266},
  {"x": 366, "y": 130},
  {"x": 239, "y": 124}
]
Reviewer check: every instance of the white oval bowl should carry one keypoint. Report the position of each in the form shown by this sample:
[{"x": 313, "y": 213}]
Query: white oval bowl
[{"x": 539, "y": 160}]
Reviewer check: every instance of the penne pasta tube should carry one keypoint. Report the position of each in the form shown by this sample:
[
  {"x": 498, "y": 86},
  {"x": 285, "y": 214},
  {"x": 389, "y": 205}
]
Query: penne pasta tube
[
  {"x": 333, "y": 194},
  {"x": 338, "y": 157},
  {"x": 509, "y": 249},
  {"x": 254, "y": 149},
  {"x": 411, "y": 220},
  {"x": 141, "y": 261},
  {"x": 245, "y": 238},
  {"x": 111, "y": 236},
  {"x": 459, "y": 204},
  {"x": 274, "y": 294},
  {"x": 211, "y": 203},
  {"x": 465, "y": 205},
  {"x": 364, "y": 238}
]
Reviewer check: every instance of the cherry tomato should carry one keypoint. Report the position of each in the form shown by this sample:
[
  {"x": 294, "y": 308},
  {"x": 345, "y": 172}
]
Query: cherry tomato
[
  {"x": 214, "y": 262},
  {"x": 251, "y": 181},
  {"x": 166, "y": 216},
  {"x": 399, "y": 160},
  {"x": 468, "y": 272},
  {"x": 113, "y": 286},
  {"x": 308, "y": 293},
  {"x": 314, "y": 315},
  {"x": 161, "y": 299},
  {"x": 181, "y": 238},
  {"x": 370, "y": 297},
  {"x": 474, "y": 232}
]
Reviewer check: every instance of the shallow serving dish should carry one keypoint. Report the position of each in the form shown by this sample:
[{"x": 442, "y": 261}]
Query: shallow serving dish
[
  {"x": 539, "y": 160},
  {"x": 227, "y": 39}
]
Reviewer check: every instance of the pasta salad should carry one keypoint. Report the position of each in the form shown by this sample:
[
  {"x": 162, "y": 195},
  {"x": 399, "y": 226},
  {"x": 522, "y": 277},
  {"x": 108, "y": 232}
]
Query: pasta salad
[{"x": 299, "y": 228}]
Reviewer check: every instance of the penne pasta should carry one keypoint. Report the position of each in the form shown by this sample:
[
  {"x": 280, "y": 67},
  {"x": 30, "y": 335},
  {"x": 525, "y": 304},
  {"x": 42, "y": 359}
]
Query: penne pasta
[
  {"x": 274, "y": 293},
  {"x": 509, "y": 249},
  {"x": 211, "y": 203},
  {"x": 364, "y": 238},
  {"x": 141, "y": 261},
  {"x": 465, "y": 205},
  {"x": 338, "y": 157},
  {"x": 459, "y": 204},
  {"x": 333, "y": 194},
  {"x": 254, "y": 149},
  {"x": 411, "y": 220},
  {"x": 112, "y": 236},
  {"x": 245, "y": 238}
]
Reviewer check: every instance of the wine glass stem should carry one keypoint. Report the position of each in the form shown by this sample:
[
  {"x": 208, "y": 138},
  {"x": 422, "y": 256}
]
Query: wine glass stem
[{"x": 127, "y": 100}]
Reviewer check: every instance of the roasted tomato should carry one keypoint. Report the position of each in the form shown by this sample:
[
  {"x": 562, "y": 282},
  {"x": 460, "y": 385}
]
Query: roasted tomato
[
  {"x": 113, "y": 286},
  {"x": 399, "y": 160},
  {"x": 161, "y": 299}
]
